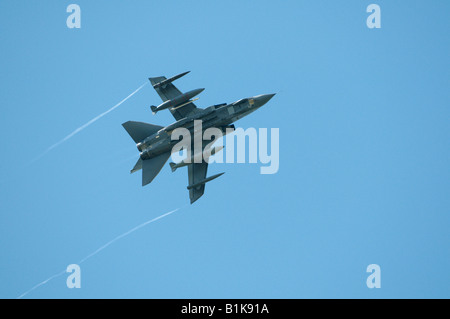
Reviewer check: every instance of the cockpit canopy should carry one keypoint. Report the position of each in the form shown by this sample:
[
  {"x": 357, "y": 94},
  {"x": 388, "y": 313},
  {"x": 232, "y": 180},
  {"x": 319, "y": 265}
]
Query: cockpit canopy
[
  {"x": 240, "y": 101},
  {"x": 250, "y": 100}
]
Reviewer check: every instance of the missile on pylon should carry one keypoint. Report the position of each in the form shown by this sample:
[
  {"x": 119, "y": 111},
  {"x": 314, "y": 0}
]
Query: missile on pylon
[
  {"x": 174, "y": 166},
  {"x": 180, "y": 99},
  {"x": 206, "y": 180},
  {"x": 167, "y": 81}
]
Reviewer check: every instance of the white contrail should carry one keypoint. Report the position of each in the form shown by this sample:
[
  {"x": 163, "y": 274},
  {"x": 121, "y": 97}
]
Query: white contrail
[
  {"x": 82, "y": 127},
  {"x": 99, "y": 250},
  {"x": 42, "y": 283},
  {"x": 125, "y": 234}
]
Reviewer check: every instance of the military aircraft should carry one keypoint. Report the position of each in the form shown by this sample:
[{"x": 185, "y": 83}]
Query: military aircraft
[{"x": 155, "y": 144}]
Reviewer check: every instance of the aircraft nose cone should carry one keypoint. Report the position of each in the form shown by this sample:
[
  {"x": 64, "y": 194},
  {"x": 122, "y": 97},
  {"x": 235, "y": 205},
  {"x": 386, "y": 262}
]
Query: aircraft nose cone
[{"x": 263, "y": 99}]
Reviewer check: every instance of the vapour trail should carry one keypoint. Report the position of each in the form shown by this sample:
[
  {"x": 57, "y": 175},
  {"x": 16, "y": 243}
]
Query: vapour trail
[
  {"x": 42, "y": 283},
  {"x": 125, "y": 234},
  {"x": 99, "y": 250},
  {"x": 82, "y": 127}
]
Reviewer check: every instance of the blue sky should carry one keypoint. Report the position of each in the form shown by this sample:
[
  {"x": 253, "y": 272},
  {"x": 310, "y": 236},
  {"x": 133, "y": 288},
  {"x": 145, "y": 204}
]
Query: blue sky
[{"x": 364, "y": 175}]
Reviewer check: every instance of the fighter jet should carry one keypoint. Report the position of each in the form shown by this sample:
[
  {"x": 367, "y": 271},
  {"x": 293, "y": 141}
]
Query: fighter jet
[{"x": 155, "y": 144}]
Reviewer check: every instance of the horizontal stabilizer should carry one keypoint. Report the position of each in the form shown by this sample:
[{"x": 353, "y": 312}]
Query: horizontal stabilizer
[
  {"x": 137, "y": 166},
  {"x": 151, "y": 167},
  {"x": 140, "y": 130}
]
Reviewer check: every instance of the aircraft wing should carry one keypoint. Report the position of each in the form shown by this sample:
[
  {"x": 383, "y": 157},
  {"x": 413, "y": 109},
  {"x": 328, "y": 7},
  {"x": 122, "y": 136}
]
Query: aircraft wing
[
  {"x": 196, "y": 174},
  {"x": 169, "y": 91}
]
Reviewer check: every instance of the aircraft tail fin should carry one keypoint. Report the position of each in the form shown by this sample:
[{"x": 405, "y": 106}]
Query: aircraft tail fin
[
  {"x": 151, "y": 167},
  {"x": 140, "y": 130}
]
